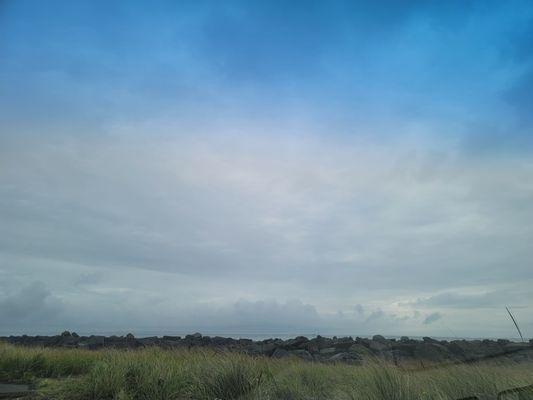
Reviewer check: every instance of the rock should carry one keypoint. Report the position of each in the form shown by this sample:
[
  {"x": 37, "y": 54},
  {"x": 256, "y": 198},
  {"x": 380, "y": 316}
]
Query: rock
[
  {"x": 222, "y": 341},
  {"x": 378, "y": 346},
  {"x": 95, "y": 342},
  {"x": 296, "y": 342},
  {"x": 303, "y": 354},
  {"x": 327, "y": 350},
  {"x": 149, "y": 341},
  {"x": 268, "y": 348},
  {"x": 68, "y": 341},
  {"x": 344, "y": 343},
  {"x": 350, "y": 358},
  {"x": 280, "y": 353},
  {"x": 397, "y": 356},
  {"x": 431, "y": 352},
  {"x": 254, "y": 349},
  {"x": 172, "y": 338},
  {"x": 405, "y": 348},
  {"x": 360, "y": 349},
  {"x": 318, "y": 348},
  {"x": 379, "y": 338},
  {"x": 515, "y": 346}
]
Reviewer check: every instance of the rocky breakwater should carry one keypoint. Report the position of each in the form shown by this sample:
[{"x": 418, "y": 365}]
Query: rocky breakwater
[{"x": 404, "y": 351}]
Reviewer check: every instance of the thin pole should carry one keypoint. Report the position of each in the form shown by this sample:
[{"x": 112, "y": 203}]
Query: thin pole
[{"x": 515, "y": 324}]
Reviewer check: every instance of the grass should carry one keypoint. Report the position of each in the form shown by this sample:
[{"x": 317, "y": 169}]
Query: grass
[{"x": 157, "y": 374}]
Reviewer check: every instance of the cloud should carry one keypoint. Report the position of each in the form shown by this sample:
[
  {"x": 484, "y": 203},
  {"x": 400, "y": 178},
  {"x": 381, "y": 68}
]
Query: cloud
[
  {"x": 491, "y": 299},
  {"x": 431, "y": 318},
  {"x": 32, "y": 302},
  {"x": 151, "y": 183},
  {"x": 222, "y": 219},
  {"x": 91, "y": 278}
]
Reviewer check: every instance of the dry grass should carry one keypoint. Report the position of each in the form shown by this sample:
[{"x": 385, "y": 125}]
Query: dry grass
[{"x": 156, "y": 374}]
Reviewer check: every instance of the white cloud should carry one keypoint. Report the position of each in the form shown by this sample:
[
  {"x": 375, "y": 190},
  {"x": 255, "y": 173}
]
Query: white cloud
[
  {"x": 190, "y": 220},
  {"x": 433, "y": 317}
]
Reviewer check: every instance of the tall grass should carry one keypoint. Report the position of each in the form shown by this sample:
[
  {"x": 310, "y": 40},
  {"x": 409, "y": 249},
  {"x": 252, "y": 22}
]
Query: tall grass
[{"x": 156, "y": 374}]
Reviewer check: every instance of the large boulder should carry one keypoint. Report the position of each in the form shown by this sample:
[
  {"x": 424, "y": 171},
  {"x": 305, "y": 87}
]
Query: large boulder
[
  {"x": 268, "y": 347},
  {"x": 431, "y": 352},
  {"x": 328, "y": 350},
  {"x": 378, "y": 346},
  {"x": 303, "y": 354},
  {"x": 347, "y": 357},
  {"x": 344, "y": 343},
  {"x": 360, "y": 349},
  {"x": 95, "y": 342},
  {"x": 296, "y": 343},
  {"x": 379, "y": 338},
  {"x": 280, "y": 353}
]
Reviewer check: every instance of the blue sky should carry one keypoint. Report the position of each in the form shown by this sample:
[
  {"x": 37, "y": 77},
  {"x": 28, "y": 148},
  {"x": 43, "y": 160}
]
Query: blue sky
[
  {"x": 462, "y": 68},
  {"x": 261, "y": 156}
]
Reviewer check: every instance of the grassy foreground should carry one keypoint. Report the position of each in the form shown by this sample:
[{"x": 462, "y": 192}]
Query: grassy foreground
[{"x": 156, "y": 374}]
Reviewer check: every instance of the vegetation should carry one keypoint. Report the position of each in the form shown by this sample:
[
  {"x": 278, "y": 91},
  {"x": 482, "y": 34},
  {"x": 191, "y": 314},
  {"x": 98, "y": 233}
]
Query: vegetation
[{"x": 157, "y": 374}]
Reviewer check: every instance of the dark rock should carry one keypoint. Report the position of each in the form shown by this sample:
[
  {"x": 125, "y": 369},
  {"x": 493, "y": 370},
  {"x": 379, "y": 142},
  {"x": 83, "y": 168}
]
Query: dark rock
[
  {"x": 296, "y": 342},
  {"x": 328, "y": 350},
  {"x": 431, "y": 352},
  {"x": 344, "y": 343},
  {"x": 378, "y": 346},
  {"x": 149, "y": 341},
  {"x": 172, "y": 338},
  {"x": 360, "y": 349},
  {"x": 280, "y": 353},
  {"x": 302, "y": 354},
  {"x": 319, "y": 348},
  {"x": 268, "y": 348},
  {"x": 96, "y": 342},
  {"x": 350, "y": 358},
  {"x": 379, "y": 338}
]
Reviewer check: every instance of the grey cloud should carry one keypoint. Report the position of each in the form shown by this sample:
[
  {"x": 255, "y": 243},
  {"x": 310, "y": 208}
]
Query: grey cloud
[
  {"x": 375, "y": 315},
  {"x": 34, "y": 301},
  {"x": 209, "y": 220},
  {"x": 91, "y": 278},
  {"x": 431, "y": 318},
  {"x": 359, "y": 309},
  {"x": 491, "y": 299}
]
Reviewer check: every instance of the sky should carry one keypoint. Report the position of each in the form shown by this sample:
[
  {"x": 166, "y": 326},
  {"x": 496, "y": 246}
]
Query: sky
[{"x": 273, "y": 168}]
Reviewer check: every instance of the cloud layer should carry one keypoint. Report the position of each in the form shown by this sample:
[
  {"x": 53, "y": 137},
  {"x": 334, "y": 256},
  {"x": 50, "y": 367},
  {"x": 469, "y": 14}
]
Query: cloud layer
[
  {"x": 171, "y": 224},
  {"x": 231, "y": 167}
]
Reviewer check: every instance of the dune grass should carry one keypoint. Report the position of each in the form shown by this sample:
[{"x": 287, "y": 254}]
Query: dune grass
[{"x": 157, "y": 374}]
